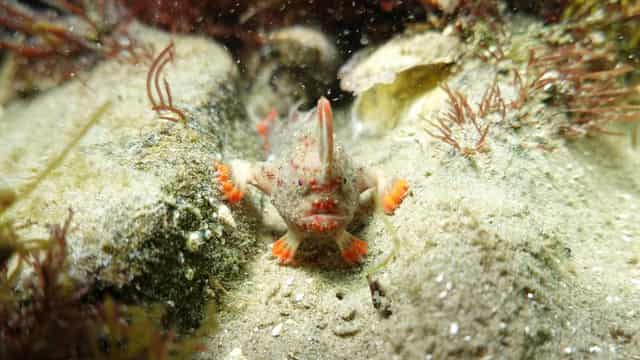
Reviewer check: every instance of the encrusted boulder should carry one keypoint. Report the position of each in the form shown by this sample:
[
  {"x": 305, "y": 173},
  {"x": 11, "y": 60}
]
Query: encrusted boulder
[{"x": 148, "y": 219}]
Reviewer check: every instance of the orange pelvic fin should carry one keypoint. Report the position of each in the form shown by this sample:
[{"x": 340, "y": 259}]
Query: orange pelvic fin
[
  {"x": 352, "y": 249},
  {"x": 285, "y": 249}
]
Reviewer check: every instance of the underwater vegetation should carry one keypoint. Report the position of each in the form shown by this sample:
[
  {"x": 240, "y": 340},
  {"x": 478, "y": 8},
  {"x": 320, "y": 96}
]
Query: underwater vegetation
[
  {"x": 68, "y": 28},
  {"x": 591, "y": 86},
  {"x": 461, "y": 113},
  {"x": 591, "y": 80},
  {"x": 53, "y": 41},
  {"x": 609, "y": 25},
  {"x": 52, "y": 318},
  {"x": 157, "y": 98}
]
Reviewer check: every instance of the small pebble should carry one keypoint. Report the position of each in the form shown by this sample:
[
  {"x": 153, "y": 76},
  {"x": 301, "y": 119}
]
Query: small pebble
[
  {"x": 275, "y": 332},
  {"x": 595, "y": 349},
  {"x": 195, "y": 239},
  {"x": 453, "y": 329},
  {"x": 189, "y": 273},
  {"x": 224, "y": 214},
  {"x": 288, "y": 282},
  {"x": 346, "y": 329},
  {"x": 348, "y": 314},
  {"x": 612, "y": 299},
  {"x": 270, "y": 292},
  {"x": 235, "y": 354}
]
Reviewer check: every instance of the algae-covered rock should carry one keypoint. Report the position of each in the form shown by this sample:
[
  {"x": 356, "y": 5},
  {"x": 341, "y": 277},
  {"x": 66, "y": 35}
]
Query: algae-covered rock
[
  {"x": 146, "y": 209},
  {"x": 388, "y": 78}
]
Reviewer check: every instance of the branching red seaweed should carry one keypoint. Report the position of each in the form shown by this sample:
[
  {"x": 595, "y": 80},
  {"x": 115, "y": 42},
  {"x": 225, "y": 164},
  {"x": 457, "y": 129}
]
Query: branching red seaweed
[
  {"x": 59, "y": 39},
  {"x": 588, "y": 83},
  {"x": 159, "y": 94},
  {"x": 54, "y": 318},
  {"x": 38, "y": 34},
  {"x": 461, "y": 113}
]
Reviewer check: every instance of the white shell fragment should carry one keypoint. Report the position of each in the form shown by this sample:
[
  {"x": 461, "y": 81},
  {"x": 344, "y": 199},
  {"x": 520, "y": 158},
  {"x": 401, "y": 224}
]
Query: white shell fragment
[
  {"x": 235, "y": 354},
  {"x": 387, "y": 80},
  {"x": 369, "y": 68},
  {"x": 224, "y": 214},
  {"x": 275, "y": 332}
]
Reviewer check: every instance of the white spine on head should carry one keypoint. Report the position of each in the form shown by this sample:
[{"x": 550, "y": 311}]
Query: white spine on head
[{"x": 325, "y": 128}]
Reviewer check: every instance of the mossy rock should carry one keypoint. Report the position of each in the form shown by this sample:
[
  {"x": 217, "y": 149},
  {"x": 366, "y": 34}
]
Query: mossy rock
[{"x": 146, "y": 206}]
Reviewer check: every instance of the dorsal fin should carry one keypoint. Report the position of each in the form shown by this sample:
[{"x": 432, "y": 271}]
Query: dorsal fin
[{"x": 325, "y": 137}]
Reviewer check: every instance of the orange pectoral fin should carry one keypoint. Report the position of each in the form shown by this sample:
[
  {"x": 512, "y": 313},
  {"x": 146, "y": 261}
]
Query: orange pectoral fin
[
  {"x": 231, "y": 192},
  {"x": 394, "y": 197}
]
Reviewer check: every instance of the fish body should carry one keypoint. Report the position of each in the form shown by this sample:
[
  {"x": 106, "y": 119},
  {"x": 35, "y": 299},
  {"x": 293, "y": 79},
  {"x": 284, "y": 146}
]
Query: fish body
[{"x": 313, "y": 184}]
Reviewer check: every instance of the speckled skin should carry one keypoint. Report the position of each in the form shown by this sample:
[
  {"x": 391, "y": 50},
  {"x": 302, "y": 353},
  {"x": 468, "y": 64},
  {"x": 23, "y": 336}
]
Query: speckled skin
[
  {"x": 312, "y": 183},
  {"x": 298, "y": 184}
]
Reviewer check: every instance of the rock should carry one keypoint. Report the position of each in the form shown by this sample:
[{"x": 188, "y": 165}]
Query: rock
[
  {"x": 385, "y": 88},
  {"x": 141, "y": 188},
  {"x": 295, "y": 67},
  {"x": 346, "y": 329},
  {"x": 322, "y": 325},
  {"x": 347, "y": 313},
  {"x": 235, "y": 354},
  {"x": 275, "y": 332},
  {"x": 270, "y": 292}
]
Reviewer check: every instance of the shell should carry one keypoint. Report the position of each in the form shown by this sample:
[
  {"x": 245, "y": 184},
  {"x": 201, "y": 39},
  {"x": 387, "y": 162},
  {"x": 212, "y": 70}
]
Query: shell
[
  {"x": 384, "y": 88},
  {"x": 370, "y": 68}
]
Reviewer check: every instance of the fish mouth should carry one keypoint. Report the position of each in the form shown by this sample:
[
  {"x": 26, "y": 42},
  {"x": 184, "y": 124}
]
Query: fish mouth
[
  {"x": 322, "y": 222},
  {"x": 321, "y": 217}
]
